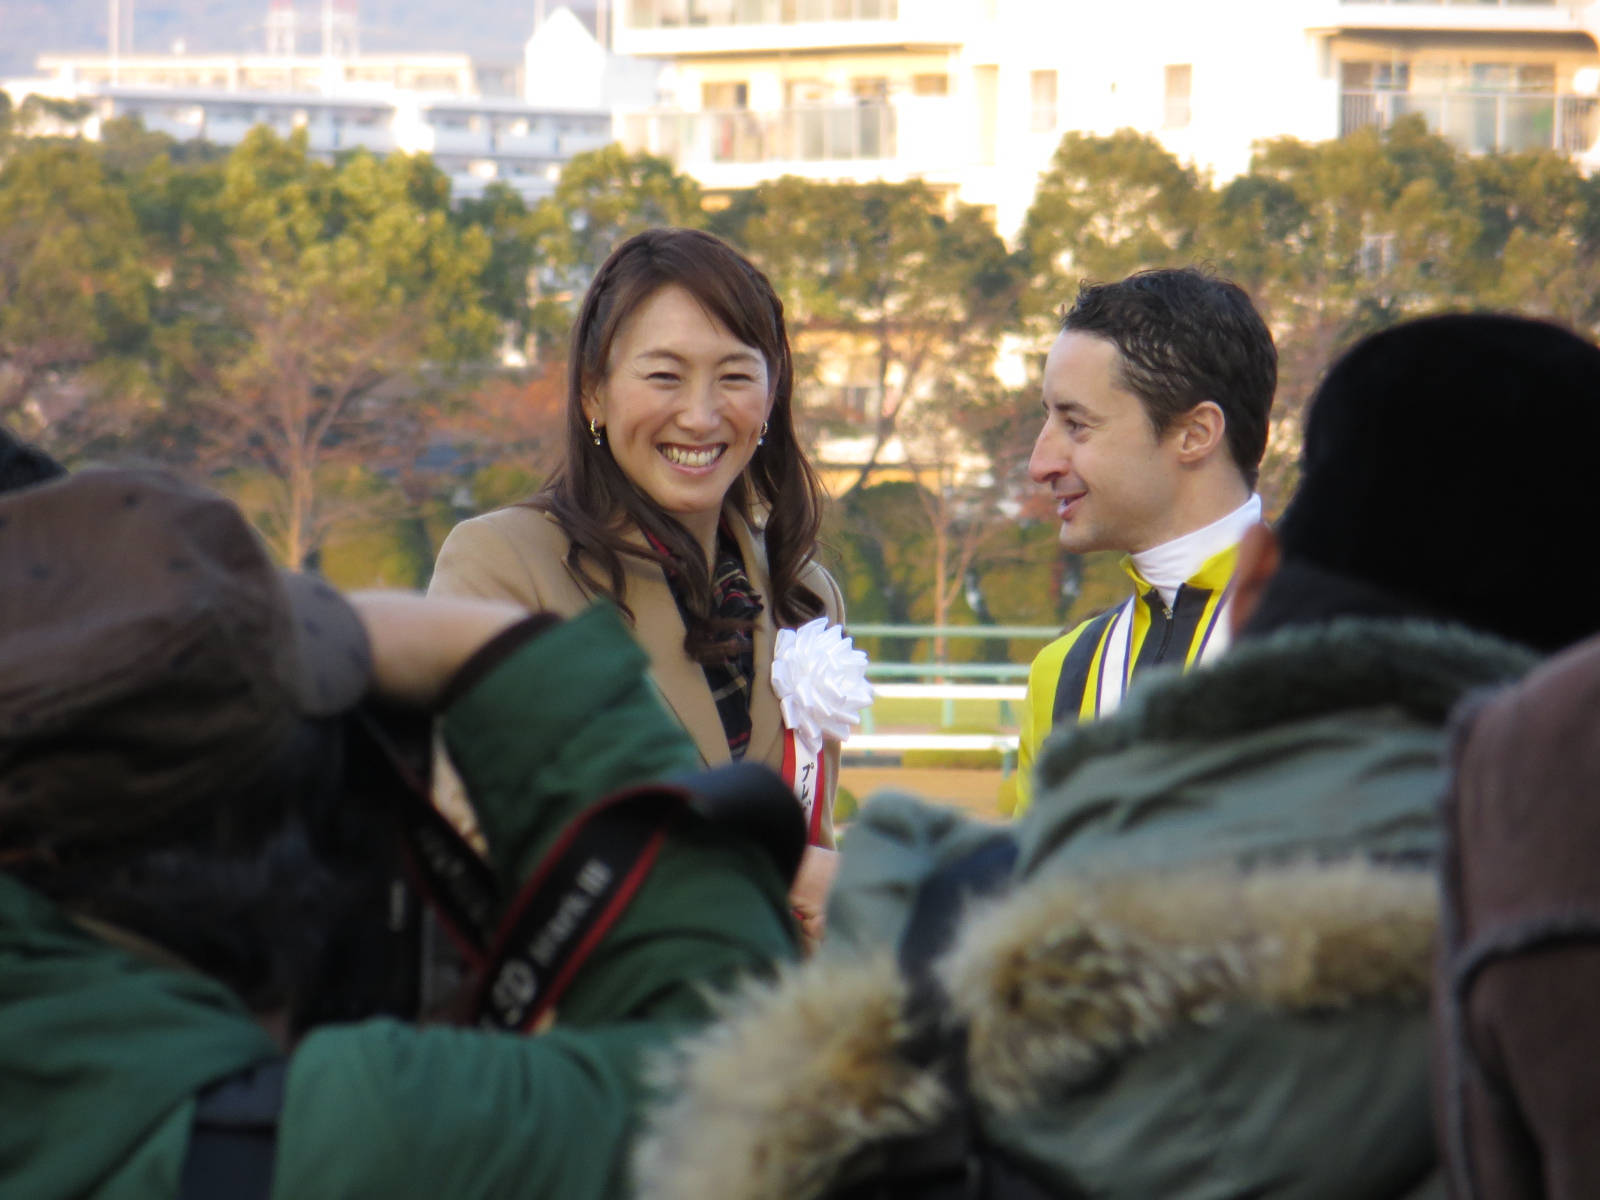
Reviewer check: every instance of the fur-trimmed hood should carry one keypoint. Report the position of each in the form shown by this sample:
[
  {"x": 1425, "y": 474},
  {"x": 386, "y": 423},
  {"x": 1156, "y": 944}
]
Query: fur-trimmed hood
[
  {"x": 1054, "y": 983},
  {"x": 1419, "y": 667},
  {"x": 1248, "y": 841}
]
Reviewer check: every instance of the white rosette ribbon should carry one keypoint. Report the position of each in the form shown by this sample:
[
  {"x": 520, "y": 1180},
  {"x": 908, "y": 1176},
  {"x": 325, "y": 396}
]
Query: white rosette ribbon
[{"x": 821, "y": 682}]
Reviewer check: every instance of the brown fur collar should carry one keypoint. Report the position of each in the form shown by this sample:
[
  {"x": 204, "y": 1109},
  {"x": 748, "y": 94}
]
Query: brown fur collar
[{"x": 1053, "y": 982}]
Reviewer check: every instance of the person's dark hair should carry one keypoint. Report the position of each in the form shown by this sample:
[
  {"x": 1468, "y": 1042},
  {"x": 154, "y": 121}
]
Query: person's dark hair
[
  {"x": 243, "y": 889},
  {"x": 1185, "y": 336},
  {"x": 1447, "y": 474},
  {"x": 595, "y": 502},
  {"x": 23, "y": 465}
]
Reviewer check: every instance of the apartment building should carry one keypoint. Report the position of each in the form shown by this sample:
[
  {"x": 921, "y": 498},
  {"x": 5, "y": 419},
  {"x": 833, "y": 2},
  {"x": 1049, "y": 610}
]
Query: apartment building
[
  {"x": 514, "y": 122},
  {"x": 974, "y": 95},
  {"x": 1511, "y": 75}
]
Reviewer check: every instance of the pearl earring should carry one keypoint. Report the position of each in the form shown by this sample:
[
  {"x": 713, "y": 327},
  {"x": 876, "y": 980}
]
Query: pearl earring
[
  {"x": 761, "y": 440},
  {"x": 594, "y": 430}
]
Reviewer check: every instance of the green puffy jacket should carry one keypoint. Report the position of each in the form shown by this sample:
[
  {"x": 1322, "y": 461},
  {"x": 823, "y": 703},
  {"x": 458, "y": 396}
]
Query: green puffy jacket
[
  {"x": 1205, "y": 976},
  {"x": 101, "y": 1051}
]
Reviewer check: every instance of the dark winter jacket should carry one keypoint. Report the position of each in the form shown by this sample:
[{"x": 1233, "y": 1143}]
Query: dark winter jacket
[
  {"x": 1517, "y": 1036},
  {"x": 1207, "y": 975},
  {"x": 102, "y": 1051}
]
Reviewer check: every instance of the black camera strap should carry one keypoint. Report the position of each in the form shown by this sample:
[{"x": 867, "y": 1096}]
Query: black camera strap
[
  {"x": 525, "y": 953},
  {"x": 573, "y": 898},
  {"x": 234, "y": 1139},
  {"x": 590, "y": 876},
  {"x": 451, "y": 876}
]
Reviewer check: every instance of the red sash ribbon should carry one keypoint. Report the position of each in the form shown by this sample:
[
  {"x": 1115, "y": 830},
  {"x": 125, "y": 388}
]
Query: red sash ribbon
[{"x": 809, "y": 786}]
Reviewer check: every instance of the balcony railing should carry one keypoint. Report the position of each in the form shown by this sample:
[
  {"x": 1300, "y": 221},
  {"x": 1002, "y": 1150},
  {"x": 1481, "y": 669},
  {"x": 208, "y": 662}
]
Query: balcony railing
[
  {"x": 677, "y": 14},
  {"x": 1469, "y": 3},
  {"x": 1459, "y": 16},
  {"x": 1480, "y": 122},
  {"x": 824, "y": 133}
]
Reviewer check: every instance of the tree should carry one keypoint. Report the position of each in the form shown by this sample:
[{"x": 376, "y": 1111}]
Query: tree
[
  {"x": 323, "y": 305},
  {"x": 882, "y": 272},
  {"x": 1540, "y": 241},
  {"x": 74, "y": 292},
  {"x": 603, "y": 197},
  {"x": 968, "y": 452},
  {"x": 1336, "y": 239},
  {"x": 879, "y": 534},
  {"x": 509, "y": 276},
  {"x": 47, "y": 116},
  {"x": 1106, "y": 207}
]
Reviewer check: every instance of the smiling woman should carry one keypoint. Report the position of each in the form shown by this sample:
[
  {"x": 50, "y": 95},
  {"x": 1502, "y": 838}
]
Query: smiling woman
[
  {"x": 684, "y": 498},
  {"x": 684, "y": 406}
]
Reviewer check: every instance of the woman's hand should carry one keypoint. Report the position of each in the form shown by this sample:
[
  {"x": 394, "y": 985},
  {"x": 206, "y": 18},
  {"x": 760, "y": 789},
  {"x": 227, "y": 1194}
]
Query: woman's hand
[{"x": 809, "y": 896}]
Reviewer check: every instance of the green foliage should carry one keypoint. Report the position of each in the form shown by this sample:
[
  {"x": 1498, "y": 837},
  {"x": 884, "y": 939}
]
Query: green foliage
[
  {"x": 977, "y": 716},
  {"x": 261, "y": 312},
  {"x": 1106, "y": 207},
  {"x": 39, "y": 114},
  {"x": 963, "y": 760},
  {"x": 1332, "y": 239},
  {"x": 915, "y": 292},
  {"x": 885, "y": 273},
  {"x": 845, "y": 806},
  {"x": 309, "y": 299},
  {"x": 879, "y": 538},
  {"x": 75, "y": 293},
  {"x": 503, "y": 483},
  {"x": 374, "y": 553},
  {"x": 603, "y": 198},
  {"x": 127, "y": 148},
  {"x": 505, "y": 221}
]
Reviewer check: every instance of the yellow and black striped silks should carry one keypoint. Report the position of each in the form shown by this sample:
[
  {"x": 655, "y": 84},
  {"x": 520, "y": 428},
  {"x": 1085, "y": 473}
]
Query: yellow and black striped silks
[{"x": 1086, "y": 673}]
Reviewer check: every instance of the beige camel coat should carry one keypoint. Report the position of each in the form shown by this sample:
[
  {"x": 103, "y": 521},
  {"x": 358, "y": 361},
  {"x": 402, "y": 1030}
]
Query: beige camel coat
[{"x": 519, "y": 554}]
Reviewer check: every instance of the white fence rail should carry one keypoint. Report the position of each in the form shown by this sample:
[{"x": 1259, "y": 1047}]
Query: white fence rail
[
  {"x": 949, "y": 683},
  {"x": 951, "y": 691}
]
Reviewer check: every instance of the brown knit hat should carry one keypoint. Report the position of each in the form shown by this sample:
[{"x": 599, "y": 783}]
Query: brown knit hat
[{"x": 151, "y": 656}]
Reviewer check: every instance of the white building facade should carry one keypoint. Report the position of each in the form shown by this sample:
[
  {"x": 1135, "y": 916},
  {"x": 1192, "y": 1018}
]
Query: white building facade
[
  {"x": 973, "y": 96},
  {"x": 515, "y": 123}
]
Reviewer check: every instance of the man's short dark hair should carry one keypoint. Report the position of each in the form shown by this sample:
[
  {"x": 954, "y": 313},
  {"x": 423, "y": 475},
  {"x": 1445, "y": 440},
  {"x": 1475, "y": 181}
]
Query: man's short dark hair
[
  {"x": 1183, "y": 337},
  {"x": 23, "y": 465}
]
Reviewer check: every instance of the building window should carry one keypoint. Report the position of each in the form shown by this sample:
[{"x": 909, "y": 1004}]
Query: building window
[
  {"x": 1180, "y": 79},
  {"x": 930, "y": 85},
  {"x": 714, "y": 96},
  {"x": 1042, "y": 91},
  {"x": 1481, "y": 107}
]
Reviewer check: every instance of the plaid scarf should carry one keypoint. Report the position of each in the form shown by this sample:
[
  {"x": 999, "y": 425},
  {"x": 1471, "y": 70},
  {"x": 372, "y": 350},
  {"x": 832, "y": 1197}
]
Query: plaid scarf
[{"x": 732, "y": 599}]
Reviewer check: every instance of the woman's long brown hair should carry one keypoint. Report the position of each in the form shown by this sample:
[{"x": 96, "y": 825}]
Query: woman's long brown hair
[{"x": 595, "y": 502}]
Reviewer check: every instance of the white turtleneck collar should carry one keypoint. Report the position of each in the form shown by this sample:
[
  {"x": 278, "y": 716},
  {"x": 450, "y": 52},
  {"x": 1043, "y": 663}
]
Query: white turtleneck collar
[{"x": 1167, "y": 566}]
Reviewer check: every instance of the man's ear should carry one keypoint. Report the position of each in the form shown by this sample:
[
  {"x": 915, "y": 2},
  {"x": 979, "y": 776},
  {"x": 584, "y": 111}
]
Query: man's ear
[
  {"x": 1256, "y": 565},
  {"x": 1201, "y": 432}
]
